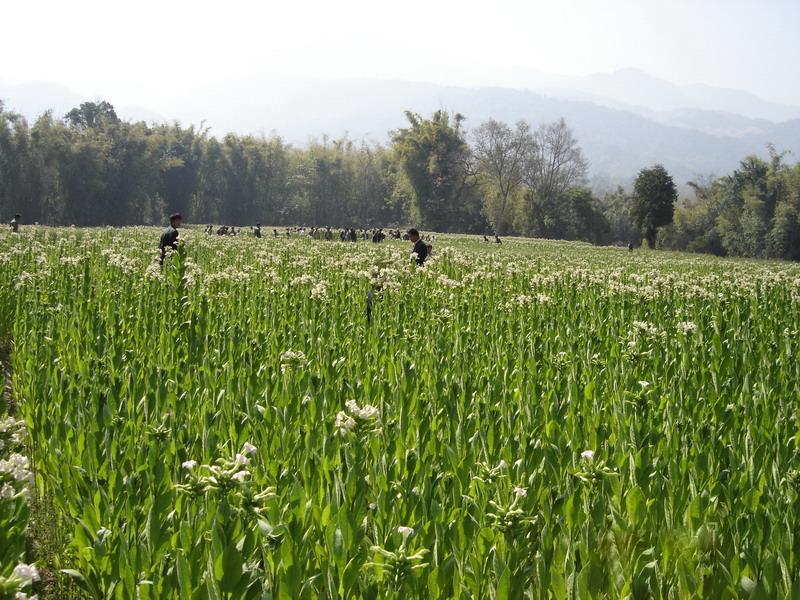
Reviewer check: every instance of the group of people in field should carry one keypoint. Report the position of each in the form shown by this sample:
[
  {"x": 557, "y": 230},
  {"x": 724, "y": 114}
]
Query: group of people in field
[
  {"x": 421, "y": 249},
  {"x": 346, "y": 234}
]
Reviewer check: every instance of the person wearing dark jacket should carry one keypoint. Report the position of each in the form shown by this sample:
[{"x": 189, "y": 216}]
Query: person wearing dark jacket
[
  {"x": 169, "y": 239},
  {"x": 420, "y": 249},
  {"x": 14, "y": 223}
]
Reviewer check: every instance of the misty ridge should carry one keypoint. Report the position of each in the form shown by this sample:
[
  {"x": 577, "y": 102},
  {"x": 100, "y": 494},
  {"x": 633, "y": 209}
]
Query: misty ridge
[{"x": 624, "y": 121}]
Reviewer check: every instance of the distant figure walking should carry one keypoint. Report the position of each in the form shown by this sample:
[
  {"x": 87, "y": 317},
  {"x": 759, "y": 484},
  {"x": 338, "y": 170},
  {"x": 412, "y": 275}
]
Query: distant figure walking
[
  {"x": 497, "y": 239},
  {"x": 630, "y": 246},
  {"x": 14, "y": 223},
  {"x": 169, "y": 239},
  {"x": 420, "y": 249},
  {"x": 257, "y": 230}
]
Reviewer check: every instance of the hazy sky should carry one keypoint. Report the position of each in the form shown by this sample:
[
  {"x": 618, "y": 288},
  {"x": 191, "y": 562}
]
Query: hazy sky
[{"x": 132, "y": 50}]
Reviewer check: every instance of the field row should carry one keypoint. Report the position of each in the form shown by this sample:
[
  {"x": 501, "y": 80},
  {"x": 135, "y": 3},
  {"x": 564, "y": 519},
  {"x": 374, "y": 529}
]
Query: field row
[{"x": 534, "y": 419}]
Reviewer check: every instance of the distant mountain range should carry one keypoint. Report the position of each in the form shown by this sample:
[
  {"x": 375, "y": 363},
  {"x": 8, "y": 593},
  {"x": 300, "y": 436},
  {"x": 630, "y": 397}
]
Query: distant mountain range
[{"x": 624, "y": 121}]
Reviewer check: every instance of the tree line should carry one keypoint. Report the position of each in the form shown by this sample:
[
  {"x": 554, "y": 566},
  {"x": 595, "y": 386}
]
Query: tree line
[
  {"x": 92, "y": 168},
  {"x": 755, "y": 211}
]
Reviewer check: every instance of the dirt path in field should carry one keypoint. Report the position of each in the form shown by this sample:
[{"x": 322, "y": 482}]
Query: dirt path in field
[
  {"x": 8, "y": 391},
  {"x": 43, "y": 539}
]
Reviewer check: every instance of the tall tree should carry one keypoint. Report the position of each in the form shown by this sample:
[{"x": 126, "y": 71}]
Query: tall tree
[
  {"x": 557, "y": 163},
  {"x": 654, "y": 197},
  {"x": 92, "y": 115},
  {"x": 501, "y": 154},
  {"x": 437, "y": 160},
  {"x": 616, "y": 206},
  {"x": 785, "y": 234}
]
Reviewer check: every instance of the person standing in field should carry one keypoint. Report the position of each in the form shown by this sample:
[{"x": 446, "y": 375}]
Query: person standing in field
[
  {"x": 170, "y": 236},
  {"x": 257, "y": 230},
  {"x": 420, "y": 249},
  {"x": 14, "y": 223}
]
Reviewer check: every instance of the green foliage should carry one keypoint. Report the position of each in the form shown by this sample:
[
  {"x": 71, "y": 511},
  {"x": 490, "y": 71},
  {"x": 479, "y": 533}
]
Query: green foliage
[
  {"x": 536, "y": 424},
  {"x": 654, "y": 197},
  {"x": 572, "y": 215},
  {"x": 15, "y": 481},
  {"x": 436, "y": 159},
  {"x": 94, "y": 169},
  {"x": 92, "y": 115},
  {"x": 616, "y": 209},
  {"x": 753, "y": 212}
]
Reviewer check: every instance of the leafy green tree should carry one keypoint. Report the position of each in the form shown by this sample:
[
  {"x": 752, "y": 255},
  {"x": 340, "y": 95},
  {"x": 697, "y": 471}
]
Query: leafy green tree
[
  {"x": 654, "y": 197},
  {"x": 585, "y": 219},
  {"x": 616, "y": 209},
  {"x": 784, "y": 237},
  {"x": 92, "y": 115},
  {"x": 437, "y": 161},
  {"x": 693, "y": 227},
  {"x": 179, "y": 152}
]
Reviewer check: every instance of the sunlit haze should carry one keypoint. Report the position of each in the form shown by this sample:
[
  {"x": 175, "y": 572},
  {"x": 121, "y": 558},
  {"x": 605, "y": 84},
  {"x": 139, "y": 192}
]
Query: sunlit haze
[{"x": 133, "y": 51}]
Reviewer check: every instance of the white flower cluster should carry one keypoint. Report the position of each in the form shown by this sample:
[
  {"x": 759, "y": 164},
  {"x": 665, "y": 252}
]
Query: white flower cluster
[
  {"x": 365, "y": 413},
  {"x": 229, "y": 274},
  {"x": 23, "y": 576},
  {"x": 22, "y": 279},
  {"x": 293, "y": 360},
  {"x": 645, "y": 328},
  {"x": 12, "y": 431},
  {"x": 15, "y": 472},
  {"x": 344, "y": 423},
  {"x": 26, "y": 572},
  {"x": 357, "y": 418},
  {"x": 153, "y": 271},
  {"x": 71, "y": 261},
  {"x": 225, "y": 469},
  {"x": 17, "y": 466},
  {"x": 406, "y": 532},
  {"x": 193, "y": 273},
  {"x": 445, "y": 281},
  {"x": 687, "y": 327},
  {"x": 320, "y": 291},
  {"x": 302, "y": 280},
  {"x": 125, "y": 263},
  {"x": 381, "y": 278}
]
